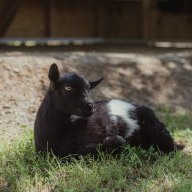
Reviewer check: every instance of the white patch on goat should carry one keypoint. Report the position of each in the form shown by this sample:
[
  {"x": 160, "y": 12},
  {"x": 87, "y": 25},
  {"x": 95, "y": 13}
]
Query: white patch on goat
[{"x": 122, "y": 109}]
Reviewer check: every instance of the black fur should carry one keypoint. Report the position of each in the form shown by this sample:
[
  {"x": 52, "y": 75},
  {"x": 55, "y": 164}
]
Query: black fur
[{"x": 68, "y": 122}]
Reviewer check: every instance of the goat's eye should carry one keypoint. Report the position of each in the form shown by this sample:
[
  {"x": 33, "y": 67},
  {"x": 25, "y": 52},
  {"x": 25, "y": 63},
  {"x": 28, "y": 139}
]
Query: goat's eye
[{"x": 67, "y": 88}]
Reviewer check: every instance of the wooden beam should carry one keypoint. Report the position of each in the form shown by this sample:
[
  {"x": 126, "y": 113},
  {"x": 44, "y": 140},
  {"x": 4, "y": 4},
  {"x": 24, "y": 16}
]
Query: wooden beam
[
  {"x": 48, "y": 14},
  {"x": 7, "y": 15},
  {"x": 146, "y": 19}
]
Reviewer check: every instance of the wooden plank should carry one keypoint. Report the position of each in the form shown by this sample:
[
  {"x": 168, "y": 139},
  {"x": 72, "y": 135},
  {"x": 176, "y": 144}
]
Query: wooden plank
[
  {"x": 7, "y": 15},
  {"x": 48, "y": 13},
  {"x": 145, "y": 22}
]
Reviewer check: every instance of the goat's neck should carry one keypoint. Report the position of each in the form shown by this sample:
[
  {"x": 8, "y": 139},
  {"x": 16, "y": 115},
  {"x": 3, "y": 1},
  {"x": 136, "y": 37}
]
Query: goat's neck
[{"x": 52, "y": 111}]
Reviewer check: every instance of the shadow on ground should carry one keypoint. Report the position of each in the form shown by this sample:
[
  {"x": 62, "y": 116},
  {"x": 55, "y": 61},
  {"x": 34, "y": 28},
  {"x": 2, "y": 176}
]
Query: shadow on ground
[{"x": 149, "y": 79}]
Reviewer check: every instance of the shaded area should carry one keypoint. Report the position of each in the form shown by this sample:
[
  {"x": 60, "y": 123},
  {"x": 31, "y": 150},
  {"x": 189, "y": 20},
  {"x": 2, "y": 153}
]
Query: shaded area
[{"x": 153, "y": 79}]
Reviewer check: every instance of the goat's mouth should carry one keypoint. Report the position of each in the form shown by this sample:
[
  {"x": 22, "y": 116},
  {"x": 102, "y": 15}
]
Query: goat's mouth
[
  {"x": 84, "y": 113},
  {"x": 87, "y": 113},
  {"x": 86, "y": 110}
]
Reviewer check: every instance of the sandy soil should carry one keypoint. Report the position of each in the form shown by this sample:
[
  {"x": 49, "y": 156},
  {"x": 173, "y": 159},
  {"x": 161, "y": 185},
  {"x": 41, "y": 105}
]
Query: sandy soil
[{"x": 150, "y": 79}]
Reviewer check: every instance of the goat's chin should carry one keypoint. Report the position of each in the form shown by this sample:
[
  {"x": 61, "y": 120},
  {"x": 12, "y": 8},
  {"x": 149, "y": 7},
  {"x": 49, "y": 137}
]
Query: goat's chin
[{"x": 85, "y": 114}]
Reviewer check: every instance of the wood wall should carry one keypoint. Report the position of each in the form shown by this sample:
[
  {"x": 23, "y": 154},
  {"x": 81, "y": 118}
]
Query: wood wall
[{"x": 110, "y": 19}]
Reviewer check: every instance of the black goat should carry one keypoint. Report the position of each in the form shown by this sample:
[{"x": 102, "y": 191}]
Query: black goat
[{"x": 68, "y": 122}]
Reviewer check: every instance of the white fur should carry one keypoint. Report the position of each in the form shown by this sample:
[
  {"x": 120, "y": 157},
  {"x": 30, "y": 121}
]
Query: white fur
[{"x": 119, "y": 108}]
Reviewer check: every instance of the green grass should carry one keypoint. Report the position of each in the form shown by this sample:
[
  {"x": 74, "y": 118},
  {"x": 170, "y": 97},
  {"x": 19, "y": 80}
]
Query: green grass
[{"x": 134, "y": 170}]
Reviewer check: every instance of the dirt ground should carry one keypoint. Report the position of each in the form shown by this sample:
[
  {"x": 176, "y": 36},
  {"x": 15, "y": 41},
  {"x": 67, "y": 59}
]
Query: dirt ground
[{"x": 152, "y": 78}]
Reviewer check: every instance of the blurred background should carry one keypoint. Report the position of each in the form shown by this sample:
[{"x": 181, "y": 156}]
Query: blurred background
[{"x": 95, "y": 21}]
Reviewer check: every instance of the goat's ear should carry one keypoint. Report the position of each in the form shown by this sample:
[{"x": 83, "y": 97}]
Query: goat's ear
[
  {"x": 93, "y": 84},
  {"x": 54, "y": 74}
]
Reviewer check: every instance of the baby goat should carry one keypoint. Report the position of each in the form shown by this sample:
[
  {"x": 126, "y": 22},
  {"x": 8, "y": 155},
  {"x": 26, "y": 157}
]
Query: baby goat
[{"x": 68, "y": 122}]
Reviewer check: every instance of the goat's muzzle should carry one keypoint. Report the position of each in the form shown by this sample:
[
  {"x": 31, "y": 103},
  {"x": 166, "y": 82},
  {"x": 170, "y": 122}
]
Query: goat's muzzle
[{"x": 88, "y": 109}]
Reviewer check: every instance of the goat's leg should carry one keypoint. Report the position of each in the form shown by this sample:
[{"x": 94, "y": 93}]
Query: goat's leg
[
  {"x": 153, "y": 132},
  {"x": 113, "y": 142},
  {"x": 110, "y": 144},
  {"x": 88, "y": 148}
]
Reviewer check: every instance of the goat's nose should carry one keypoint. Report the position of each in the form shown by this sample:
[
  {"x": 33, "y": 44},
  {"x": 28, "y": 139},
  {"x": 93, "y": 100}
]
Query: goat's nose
[{"x": 89, "y": 106}]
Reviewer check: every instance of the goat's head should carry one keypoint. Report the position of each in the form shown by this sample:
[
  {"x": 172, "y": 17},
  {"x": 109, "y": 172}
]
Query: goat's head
[{"x": 71, "y": 92}]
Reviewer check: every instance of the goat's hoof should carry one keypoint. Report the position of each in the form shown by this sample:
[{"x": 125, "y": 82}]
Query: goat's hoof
[{"x": 114, "y": 141}]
